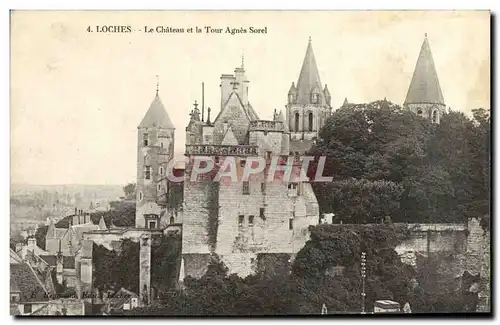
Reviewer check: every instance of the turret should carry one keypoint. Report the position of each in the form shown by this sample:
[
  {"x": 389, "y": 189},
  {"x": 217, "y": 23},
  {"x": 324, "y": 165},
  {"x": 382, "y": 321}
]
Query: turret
[
  {"x": 155, "y": 147},
  {"x": 424, "y": 96}
]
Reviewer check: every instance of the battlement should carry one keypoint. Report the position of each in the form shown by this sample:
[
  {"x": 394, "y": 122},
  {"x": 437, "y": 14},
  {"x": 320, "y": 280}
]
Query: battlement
[
  {"x": 269, "y": 126},
  {"x": 222, "y": 150}
]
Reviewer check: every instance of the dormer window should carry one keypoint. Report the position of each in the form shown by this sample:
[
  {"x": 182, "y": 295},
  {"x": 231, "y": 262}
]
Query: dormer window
[{"x": 315, "y": 98}]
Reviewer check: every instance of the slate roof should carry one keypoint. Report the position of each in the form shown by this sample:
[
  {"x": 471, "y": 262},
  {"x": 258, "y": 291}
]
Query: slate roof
[
  {"x": 49, "y": 259},
  {"x": 309, "y": 79},
  {"x": 24, "y": 279},
  {"x": 80, "y": 229},
  {"x": 251, "y": 113},
  {"x": 157, "y": 116},
  {"x": 424, "y": 86}
]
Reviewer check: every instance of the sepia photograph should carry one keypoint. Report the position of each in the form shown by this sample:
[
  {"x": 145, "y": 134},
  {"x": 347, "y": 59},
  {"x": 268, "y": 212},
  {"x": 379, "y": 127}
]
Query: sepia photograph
[{"x": 250, "y": 163}]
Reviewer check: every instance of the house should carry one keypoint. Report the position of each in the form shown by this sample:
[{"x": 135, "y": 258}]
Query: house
[{"x": 27, "y": 290}]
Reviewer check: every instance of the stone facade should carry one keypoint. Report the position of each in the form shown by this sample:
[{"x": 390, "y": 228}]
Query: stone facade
[
  {"x": 239, "y": 220},
  {"x": 155, "y": 148},
  {"x": 308, "y": 106}
]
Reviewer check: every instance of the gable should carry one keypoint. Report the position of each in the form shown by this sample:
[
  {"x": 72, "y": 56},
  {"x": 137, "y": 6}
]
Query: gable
[
  {"x": 234, "y": 114},
  {"x": 229, "y": 138}
]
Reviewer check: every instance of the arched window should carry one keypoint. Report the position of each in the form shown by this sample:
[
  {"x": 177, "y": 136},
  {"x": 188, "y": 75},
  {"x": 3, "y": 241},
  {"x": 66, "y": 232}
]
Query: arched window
[
  {"x": 172, "y": 220},
  {"x": 435, "y": 117},
  {"x": 419, "y": 112},
  {"x": 140, "y": 196},
  {"x": 297, "y": 117},
  {"x": 310, "y": 121},
  {"x": 161, "y": 170}
]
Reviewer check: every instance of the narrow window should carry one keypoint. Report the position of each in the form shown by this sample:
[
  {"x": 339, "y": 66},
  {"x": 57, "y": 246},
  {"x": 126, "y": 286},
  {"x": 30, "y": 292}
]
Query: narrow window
[
  {"x": 290, "y": 223},
  {"x": 250, "y": 221},
  {"x": 419, "y": 112},
  {"x": 152, "y": 224},
  {"x": 145, "y": 139},
  {"x": 161, "y": 170},
  {"x": 246, "y": 188},
  {"x": 172, "y": 220},
  {"x": 242, "y": 163},
  {"x": 269, "y": 154},
  {"x": 310, "y": 122},
  {"x": 147, "y": 172},
  {"x": 140, "y": 196},
  {"x": 241, "y": 219},
  {"x": 161, "y": 144},
  {"x": 434, "y": 117},
  {"x": 263, "y": 187},
  {"x": 261, "y": 213},
  {"x": 159, "y": 187},
  {"x": 297, "y": 117},
  {"x": 216, "y": 159}
]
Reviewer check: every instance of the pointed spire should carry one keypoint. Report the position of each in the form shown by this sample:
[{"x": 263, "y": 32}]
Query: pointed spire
[
  {"x": 309, "y": 80},
  {"x": 195, "y": 112},
  {"x": 345, "y": 102},
  {"x": 202, "y": 101},
  {"x": 156, "y": 116},
  {"x": 157, "y": 84},
  {"x": 424, "y": 86},
  {"x": 208, "y": 116},
  {"x": 243, "y": 61},
  {"x": 326, "y": 90},
  {"x": 281, "y": 118}
]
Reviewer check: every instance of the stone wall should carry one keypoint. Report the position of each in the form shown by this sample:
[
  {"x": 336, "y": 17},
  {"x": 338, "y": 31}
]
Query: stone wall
[
  {"x": 223, "y": 220},
  {"x": 453, "y": 249},
  {"x": 157, "y": 153}
]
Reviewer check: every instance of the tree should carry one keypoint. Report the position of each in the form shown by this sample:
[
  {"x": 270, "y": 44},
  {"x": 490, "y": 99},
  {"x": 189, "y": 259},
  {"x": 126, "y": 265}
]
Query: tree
[
  {"x": 129, "y": 191},
  {"x": 40, "y": 234},
  {"x": 432, "y": 173}
]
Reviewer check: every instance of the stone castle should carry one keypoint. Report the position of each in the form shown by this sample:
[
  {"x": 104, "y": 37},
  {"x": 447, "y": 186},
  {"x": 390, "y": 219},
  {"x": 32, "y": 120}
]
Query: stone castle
[
  {"x": 246, "y": 222},
  {"x": 249, "y": 225}
]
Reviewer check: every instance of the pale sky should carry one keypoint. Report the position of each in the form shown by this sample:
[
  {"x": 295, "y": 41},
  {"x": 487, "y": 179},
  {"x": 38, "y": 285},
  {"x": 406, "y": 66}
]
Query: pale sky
[{"x": 77, "y": 97}]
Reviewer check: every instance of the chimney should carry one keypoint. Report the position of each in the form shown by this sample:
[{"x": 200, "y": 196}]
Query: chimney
[
  {"x": 226, "y": 87},
  {"x": 31, "y": 242}
]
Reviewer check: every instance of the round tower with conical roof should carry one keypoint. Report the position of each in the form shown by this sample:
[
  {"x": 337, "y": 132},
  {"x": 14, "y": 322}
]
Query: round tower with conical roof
[{"x": 424, "y": 96}]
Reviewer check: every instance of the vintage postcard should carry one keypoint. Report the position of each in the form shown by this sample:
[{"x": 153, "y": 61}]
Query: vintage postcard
[{"x": 244, "y": 163}]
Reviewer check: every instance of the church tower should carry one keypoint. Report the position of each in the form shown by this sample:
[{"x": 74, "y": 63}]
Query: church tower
[
  {"x": 424, "y": 96},
  {"x": 309, "y": 105},
  {"x": 155, "y": 147}
]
